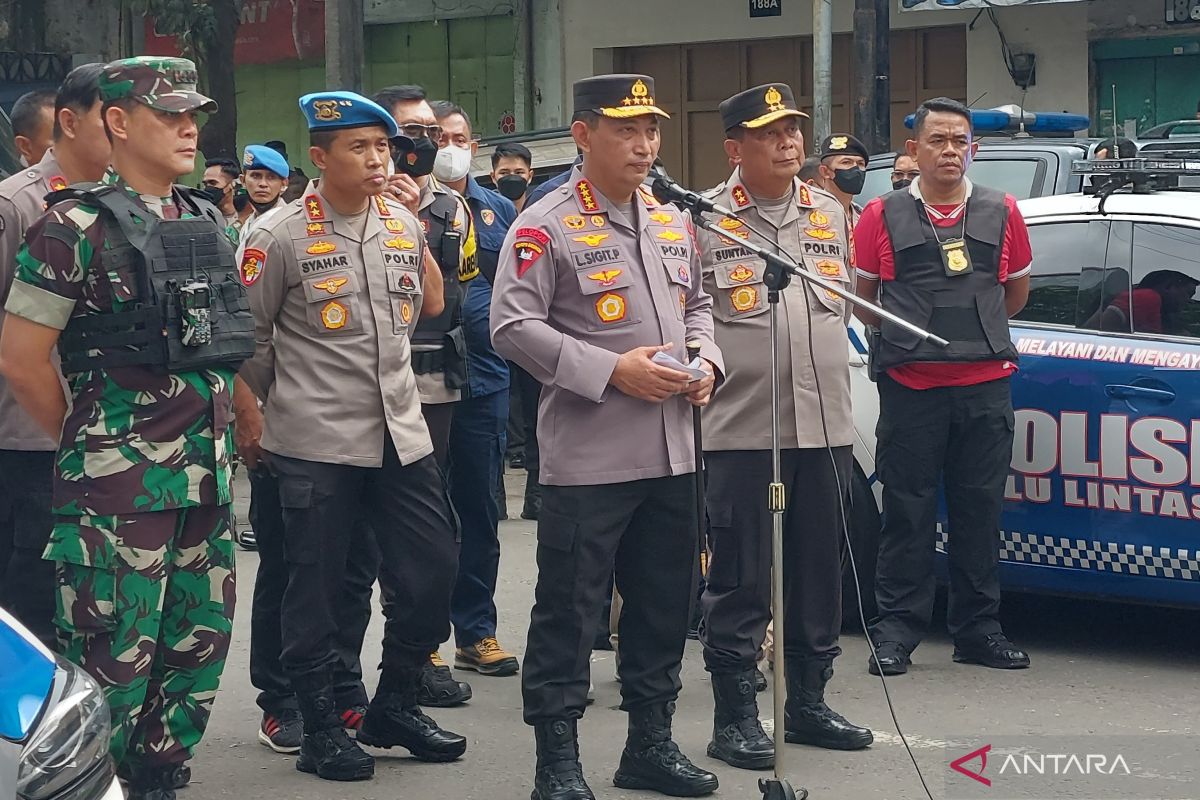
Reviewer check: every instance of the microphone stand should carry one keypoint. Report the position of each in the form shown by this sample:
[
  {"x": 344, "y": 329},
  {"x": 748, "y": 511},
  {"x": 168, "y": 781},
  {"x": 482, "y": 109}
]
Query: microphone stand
[{"x": 778, "y": 275}]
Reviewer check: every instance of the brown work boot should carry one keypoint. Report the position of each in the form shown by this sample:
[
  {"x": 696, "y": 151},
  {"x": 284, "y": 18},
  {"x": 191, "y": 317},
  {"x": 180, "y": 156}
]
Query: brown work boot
[{"x": 486, "y": 657}]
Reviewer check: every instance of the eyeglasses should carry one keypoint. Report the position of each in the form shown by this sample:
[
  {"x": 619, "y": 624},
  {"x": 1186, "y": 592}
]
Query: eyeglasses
[
  {"x": 912, "y": 175},
  {"x": 415, "y": 130}
]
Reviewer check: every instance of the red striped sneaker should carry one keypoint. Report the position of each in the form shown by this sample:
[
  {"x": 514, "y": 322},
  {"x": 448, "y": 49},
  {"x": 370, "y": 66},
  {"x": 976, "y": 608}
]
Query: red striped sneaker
[
  {"x": 283, "y": 732},
  {"x": 352, "y": 718}
]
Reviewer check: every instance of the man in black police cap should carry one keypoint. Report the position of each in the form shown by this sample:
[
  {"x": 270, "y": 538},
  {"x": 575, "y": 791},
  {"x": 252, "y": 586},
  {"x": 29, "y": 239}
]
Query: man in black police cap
[
  {"x": 844, "y": 170},
  {"x": 595, "y": 281}
]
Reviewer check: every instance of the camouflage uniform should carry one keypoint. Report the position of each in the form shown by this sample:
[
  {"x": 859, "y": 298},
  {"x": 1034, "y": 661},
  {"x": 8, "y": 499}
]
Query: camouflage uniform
[{"x": 142, "y": 541}]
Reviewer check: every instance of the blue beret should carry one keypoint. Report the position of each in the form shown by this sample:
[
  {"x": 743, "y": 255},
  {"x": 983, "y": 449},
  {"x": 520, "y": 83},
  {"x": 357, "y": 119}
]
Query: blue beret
[
  {"x": 331, "y": 111},
  {"x": 258, "y": 156}
]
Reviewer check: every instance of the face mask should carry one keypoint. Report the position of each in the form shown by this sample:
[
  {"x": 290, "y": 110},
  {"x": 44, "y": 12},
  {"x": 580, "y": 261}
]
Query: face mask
[
  {"x": 214, "y": 194},
  {"x": 241, "y": 199},
  {"x": 850, "y": 180},
  {"x": 903, "y": 183},
  {"x": 453, "y": 163},
  {"x": 262, "y": 208},
  {"x": 419, "y": 162},
  {"x": 512, "y": 186}
]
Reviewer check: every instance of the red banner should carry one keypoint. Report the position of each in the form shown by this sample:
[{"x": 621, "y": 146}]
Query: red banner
[{"x": 271, "y": 31}]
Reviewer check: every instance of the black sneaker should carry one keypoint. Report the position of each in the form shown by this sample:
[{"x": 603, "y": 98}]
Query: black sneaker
[
  {"x": 282, "y": 732},
  {"x": 760, "y": 680},
  {"x": 994, "y": 650},
  {"x": 334, "y": 756},
  {"x": 246, "y": 539},
  {"x": 892, "y": 657},
  {"x": 390, "y": 723},
  {"x": 438, "y": 688}
]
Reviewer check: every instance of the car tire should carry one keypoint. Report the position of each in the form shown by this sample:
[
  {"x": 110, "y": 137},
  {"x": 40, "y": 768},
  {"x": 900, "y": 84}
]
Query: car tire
[{"x": 865, "y": 525}]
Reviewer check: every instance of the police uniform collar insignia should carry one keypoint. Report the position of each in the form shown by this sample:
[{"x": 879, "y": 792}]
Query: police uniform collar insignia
[
  {"x": 381, "y": 206},
  {"x": 741, "y": 198},
  {"x": 586, "y": 196},
  {"x": 647, "y": 197},
  {"x": 314, "y": 208},
  {"x": 57, "y": 183},
  {"x": 805, "y": 195}
]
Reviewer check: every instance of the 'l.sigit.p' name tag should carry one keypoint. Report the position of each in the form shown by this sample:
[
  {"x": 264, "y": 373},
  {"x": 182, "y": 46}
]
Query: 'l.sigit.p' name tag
[{"x": 955, "y": 258}]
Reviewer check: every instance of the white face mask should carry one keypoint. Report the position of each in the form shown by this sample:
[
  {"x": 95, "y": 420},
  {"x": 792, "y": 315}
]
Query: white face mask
[{"x": 453, "y": 163}]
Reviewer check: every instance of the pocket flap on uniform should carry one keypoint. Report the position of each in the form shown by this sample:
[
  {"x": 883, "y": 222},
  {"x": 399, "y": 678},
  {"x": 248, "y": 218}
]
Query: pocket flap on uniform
[
  {"x": 678, "y": 271},
  {"x": 608, "y": 276},
  {"x": 556, "y": 531},
  {"x": 295, "y": 493},
  {"x": 330, "y": 284},
  {"x": 403, "y": 281},
  {"x": 720, "y": 515}
]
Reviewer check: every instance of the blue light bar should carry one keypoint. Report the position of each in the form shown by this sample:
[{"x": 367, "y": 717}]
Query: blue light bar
[{"x": 1008, "y": 119}]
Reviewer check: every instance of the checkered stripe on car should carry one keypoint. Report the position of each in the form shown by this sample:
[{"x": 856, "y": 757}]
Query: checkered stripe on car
[{"x": 1155, "y": 562}]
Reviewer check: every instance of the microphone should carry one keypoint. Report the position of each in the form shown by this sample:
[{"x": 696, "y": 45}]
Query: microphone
[{"x": 668, "y": 191}]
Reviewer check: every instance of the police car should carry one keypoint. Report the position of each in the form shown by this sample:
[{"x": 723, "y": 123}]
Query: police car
[{"x": 1103, "y": 497}]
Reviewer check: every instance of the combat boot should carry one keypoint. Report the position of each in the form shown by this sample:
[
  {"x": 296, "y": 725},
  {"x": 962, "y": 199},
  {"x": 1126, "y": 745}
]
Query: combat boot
[
  {"x": 558, "y": 775},
  {"x": 395, "y": 720},
  {"x": 738, "y": 737},
  {"x": 533, "y": 499},
  {"x": 651, "y": 759},
  {"x": 152, "y": 782},
  {"x": 326, "y": 750},
  {"x": 807, "y": 720}
]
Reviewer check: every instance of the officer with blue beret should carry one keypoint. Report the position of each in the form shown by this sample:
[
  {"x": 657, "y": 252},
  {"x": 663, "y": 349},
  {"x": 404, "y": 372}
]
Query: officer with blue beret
[
  {"x": 264, "y": 176},
  {"x": 337, "y": 282}
]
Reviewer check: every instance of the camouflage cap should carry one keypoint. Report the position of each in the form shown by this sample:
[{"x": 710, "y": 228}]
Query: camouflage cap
[{"x": 161, "y": 82}]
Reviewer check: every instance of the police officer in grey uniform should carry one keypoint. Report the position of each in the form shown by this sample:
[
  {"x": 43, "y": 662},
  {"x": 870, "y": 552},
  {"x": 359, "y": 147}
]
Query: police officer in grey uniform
[
  {"x": 817, "y": 430},
  {"x": 594, "y": 282},
  {"x": 80, "y": 153},
  {"x": 336, "y": 284}
]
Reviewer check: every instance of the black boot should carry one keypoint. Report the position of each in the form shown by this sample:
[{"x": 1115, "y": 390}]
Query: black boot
[
  {"x": 808, "y": 720},
  {"x": 738, "y": 737},
  {"x": 651, "y": 760},
  {"x": 326, "y": 750},
  {"x": 533, "y": 499},
  {"x": 151, "y": 782},
  {"x": 395, "y": 720},
  {"x": 559, "y": 775}
]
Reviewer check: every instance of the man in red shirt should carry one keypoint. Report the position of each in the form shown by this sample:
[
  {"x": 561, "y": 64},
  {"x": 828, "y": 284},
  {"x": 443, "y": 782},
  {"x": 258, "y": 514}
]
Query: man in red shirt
[{"x": 953, "y": 258}]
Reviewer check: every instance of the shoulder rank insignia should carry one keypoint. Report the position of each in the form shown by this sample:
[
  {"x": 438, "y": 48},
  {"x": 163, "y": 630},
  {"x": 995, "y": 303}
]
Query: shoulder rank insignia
[
  {"x": 382, "y": 207},
  {"x": 587, "y": 197},
  {"x": 57, "y": 183},
  {"x": 605, "y": 277},
  {"x": 253, "y": 262},
  {"x": 313, "y": 208},
  {"x": 647, "y": 197},
  {"x": 670, "y": 236},
  {"x": 320, "y": 248},
  {"x": 394, "y": 225},
  {"x": 332, "y": 285},
  {"x": 740, "y": 198},
  {"x": 591, "y": 239},
  {"x": 805, "y": 196}
]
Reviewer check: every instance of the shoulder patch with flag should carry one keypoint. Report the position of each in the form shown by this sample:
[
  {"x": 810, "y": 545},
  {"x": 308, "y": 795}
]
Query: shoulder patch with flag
[{"x": 529, "y": 246}]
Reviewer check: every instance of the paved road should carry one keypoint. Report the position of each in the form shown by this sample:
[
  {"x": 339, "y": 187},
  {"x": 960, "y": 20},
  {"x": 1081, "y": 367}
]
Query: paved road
[{"x": 1099, "y": 670}]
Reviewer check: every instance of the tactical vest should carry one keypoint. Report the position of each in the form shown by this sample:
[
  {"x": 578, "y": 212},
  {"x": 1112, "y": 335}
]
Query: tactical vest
[
  {"x": 439, "y": 343},
  {"x": 968, "y": 309},
  {"x": 188, "y": 309}
]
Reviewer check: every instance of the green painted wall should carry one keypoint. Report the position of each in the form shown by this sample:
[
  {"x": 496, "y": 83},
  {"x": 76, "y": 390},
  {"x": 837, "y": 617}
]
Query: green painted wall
[
  {"x": 1154, "y": 81},
  {"x": 469, "y": 61}
]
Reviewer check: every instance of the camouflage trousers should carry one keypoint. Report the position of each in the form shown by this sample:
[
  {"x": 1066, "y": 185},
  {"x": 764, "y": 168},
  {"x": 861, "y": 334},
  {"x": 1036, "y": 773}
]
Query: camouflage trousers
[{"x": 145, "y": 605}]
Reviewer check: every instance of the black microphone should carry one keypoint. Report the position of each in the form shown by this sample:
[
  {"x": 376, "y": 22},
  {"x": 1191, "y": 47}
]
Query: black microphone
[{"x": 668, "y": 191}]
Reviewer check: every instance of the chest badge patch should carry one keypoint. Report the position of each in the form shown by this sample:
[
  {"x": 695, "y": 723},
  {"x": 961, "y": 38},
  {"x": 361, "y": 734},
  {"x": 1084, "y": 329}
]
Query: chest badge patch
[
  {"x": 332, "y": 285},
  {"x": 398, "y": 243},
  {"x": 488, "y": 216},
  {"x": 406, "y": 283},
  {"x": 320, "y": 248},
  {"x": 574, "y": 222},
  {"x": 605, "y": 277},
  {"x": 662, "y": 218},
  {"x": 670, "y": 236},
  {"x": 741, "y": 274},
  {"x": 591, "y": 239},
  {"x": 830, "y": 269},
  {"x": 253, "y": 262},
  {"x": 610, "y": 307},
  {"x": 821, "y": 234},
  {"x": 598, "y": 221},
  {"x": 684, "y": 276},
  {"x": 406, "y": 312},
  {"x": 818, "y": 219},
  {"x": 334, "y": 315},
  {"x": 394, "y": 225},
  {"x": 316, "y": 229},
  {"x": 743, "y": 298}
]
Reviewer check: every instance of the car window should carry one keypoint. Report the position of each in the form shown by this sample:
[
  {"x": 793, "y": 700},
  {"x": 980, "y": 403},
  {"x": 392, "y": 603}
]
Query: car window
[
  {"x": 1068, "y": 281},
  {"x": 1166, "y": 275},
  {"x": 1022, "y": 178},
  {"x": 878, "y": 182}
]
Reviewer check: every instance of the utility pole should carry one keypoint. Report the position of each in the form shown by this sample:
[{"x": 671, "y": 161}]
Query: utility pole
[
  {"x": 822, "y": 69},
  {"x": 883, "y": 72},
  {"x": 344, "y": 44},
  {"x": 865, "y": 123}
]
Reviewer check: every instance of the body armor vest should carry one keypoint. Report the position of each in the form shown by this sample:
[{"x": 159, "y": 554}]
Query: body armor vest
[
  {"x": 188, "y": 310},
  {"x": 966, "y": 309},
  {"x": 439, "y": 344}
]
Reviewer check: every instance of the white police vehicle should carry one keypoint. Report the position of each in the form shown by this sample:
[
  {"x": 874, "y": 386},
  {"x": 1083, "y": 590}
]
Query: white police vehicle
[{"x": 1103, "y": 497}]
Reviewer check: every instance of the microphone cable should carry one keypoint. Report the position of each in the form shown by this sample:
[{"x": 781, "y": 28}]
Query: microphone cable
[{"x": 842, "y": 502}]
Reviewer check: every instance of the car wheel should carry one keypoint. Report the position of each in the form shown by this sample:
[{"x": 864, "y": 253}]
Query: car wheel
[{"x": 865, "y": 527}]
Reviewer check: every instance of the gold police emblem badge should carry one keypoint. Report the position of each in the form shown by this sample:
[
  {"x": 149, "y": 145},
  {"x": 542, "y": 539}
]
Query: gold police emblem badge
[
  {"x": 334, "y": 315},
  {"x": 610, "y": 307},
  {"x": 326, "y": 110},
  {"x": 773, "y": 99}
]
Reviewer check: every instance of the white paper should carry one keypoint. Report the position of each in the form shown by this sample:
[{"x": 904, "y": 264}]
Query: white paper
[{"x": 693, "y": 370}]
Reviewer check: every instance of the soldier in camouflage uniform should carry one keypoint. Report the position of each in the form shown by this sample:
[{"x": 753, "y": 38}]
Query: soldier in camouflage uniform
[{"x": 142, "y": 538}]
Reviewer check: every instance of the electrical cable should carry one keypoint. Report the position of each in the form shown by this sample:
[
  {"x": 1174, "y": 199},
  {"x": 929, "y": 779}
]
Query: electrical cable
[{"x": 842, "y": 507}]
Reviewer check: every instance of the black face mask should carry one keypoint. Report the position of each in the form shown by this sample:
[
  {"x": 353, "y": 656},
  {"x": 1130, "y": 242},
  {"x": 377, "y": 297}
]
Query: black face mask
[
  {"x": 241, "y": 199},
  {"x": 512, "y": 186},
  {"x": 903, "y": 183},
  {"x": 850, "y": 180},
  {"x": 263, "y": 208},
  {"x": 419, "y": 162},
  {"x": 214, "y": 194}
]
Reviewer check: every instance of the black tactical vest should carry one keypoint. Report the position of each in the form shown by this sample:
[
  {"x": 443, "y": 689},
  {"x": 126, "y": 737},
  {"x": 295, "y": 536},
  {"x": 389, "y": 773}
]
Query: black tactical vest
[
  {"x": 445, "y": 330},
  {"x": 188, "y": 309},
  {"x": 967, "y": 310}
]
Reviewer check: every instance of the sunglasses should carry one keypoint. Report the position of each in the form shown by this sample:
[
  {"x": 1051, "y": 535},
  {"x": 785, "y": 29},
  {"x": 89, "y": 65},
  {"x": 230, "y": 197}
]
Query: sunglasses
[
  {"x": 415, "y": 130},
  {"x": 912, "y": 176}
]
